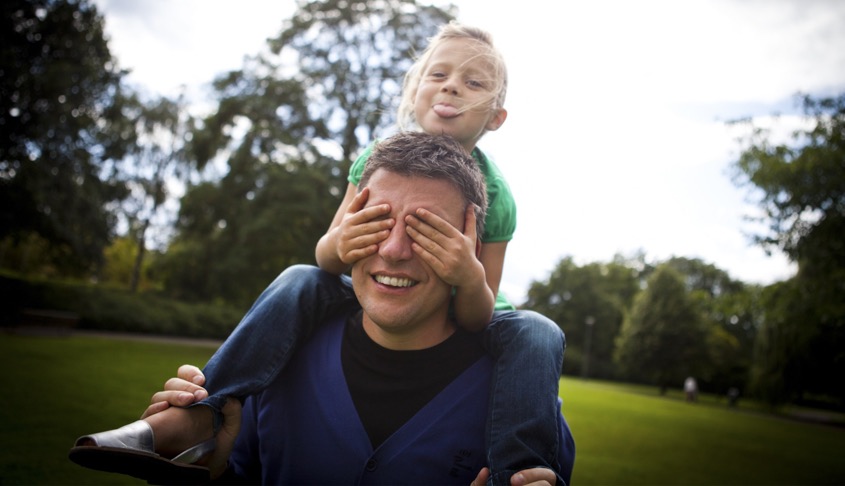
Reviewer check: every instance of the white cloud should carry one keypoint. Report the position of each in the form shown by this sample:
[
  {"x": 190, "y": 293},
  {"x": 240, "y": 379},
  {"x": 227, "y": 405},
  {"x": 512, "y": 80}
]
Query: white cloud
[{"x": 168, "y": 44}]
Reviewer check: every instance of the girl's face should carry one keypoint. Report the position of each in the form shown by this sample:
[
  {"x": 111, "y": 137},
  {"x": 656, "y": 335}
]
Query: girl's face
[{"x": 455, "y": 94}]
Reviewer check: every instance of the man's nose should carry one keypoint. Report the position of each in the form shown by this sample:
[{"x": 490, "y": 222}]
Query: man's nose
[{"x": 397, "y": 246}]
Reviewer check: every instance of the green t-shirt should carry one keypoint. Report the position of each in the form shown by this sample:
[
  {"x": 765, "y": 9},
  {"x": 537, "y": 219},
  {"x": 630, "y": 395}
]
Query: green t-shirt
[{"x": 500, "y": 223}]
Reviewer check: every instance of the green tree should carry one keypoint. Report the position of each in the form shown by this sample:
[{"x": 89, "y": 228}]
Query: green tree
[
  {"x": 352, "y": 55},
  {"x": 287, "y": 125},
  {"x": 237, "y": 234},
  {"x": 157, "y": 157},
  {"x": 736, "y": 318},
  {"x": 801, "y": 188},
  {"x": 588, "y": 302},
  {"x": 121, "y": 260},
  {"x": 781, "y": 357},
  {"x": 233, "y": 235},
  {"x": 730, "y": 314},
  {"x": 58, "y": 88},
  {"x": 663, "y": 339}
]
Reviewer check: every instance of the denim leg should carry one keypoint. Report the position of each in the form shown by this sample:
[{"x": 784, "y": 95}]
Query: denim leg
[
  {"x": 281, "y": 319},
  {"x": 522, "y": 425}
]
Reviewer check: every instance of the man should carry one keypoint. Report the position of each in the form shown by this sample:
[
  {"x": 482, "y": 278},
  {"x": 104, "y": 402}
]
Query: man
[{"x": 393, "y": 392}]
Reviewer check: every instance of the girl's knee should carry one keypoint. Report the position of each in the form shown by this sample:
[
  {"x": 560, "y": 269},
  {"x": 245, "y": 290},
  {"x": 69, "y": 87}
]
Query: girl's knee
[
  {"x": 295, "y": 279},
  {"x": 540, "y": 325},
  {"x": 532, "y": 330},
  {"x": 299, "y": 270}
]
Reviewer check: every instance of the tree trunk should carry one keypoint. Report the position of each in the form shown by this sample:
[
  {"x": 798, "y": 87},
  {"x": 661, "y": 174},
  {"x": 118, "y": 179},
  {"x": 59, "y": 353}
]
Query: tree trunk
[{"x": 139, "y": 258}]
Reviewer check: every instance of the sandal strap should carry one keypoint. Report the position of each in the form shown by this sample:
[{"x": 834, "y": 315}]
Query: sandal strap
[
  {"x": 196, "y": 452},
  {"x": 138, "y": 435}
]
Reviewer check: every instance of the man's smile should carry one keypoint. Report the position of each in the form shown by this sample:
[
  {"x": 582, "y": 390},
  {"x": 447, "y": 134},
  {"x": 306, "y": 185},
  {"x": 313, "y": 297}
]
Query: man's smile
[{"x": 394, "y": 281}]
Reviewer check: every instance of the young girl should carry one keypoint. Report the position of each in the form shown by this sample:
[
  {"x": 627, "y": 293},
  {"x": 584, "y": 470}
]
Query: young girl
[{"x": 457, "y": 87}]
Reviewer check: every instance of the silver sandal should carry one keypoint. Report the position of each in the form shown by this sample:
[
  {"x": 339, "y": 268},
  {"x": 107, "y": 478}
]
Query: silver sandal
[{"x": 131, "y": 450}]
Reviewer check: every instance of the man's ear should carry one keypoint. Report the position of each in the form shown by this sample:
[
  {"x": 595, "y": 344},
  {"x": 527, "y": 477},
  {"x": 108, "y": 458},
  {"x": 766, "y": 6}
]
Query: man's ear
[{"x": 498, "y": 118}]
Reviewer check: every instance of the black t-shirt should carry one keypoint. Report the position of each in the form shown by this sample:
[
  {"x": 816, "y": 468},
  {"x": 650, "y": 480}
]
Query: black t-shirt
[{"x": 389, "y": 387}]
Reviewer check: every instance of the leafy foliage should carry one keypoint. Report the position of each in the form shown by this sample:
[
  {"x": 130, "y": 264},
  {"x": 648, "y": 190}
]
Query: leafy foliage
[
  {"x": 157, "y": 157},
  {"x": 58, "y": 88},
  {"x": 100, "y": 307},
  {"x": 121, "y": 258},
  {"x": 589, "y": 303},
  {"x": 730, "y": 311},
  {"x": 802, "y": 193},
  {"x": 352, "y": 55},
  {"x": 286, "y": 126},
  {"x": 802, "y": 184},
  {"x": 663, "y": 339},
  {"x": 238, "y": 235}
]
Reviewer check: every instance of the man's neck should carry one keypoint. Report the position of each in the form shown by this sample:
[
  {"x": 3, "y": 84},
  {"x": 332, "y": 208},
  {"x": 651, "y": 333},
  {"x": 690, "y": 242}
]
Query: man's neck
[{"x": 415, "y": 338}]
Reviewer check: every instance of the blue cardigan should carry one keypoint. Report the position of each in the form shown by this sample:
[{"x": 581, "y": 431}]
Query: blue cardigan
[{"x": 304, "y": 429}]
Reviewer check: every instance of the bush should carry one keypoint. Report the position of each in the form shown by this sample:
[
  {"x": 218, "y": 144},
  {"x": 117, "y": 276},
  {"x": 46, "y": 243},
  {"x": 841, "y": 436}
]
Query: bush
[{"x": 109, "y": 309}]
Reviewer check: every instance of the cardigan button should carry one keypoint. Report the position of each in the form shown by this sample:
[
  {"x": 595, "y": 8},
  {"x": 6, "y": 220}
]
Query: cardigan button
[{"x": 372, "y": 465}]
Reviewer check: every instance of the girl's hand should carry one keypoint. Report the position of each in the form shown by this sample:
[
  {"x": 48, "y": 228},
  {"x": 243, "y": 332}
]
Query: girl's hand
[
  {"x": 362, "y": 229},
  {"x": 451, "y": 254}
]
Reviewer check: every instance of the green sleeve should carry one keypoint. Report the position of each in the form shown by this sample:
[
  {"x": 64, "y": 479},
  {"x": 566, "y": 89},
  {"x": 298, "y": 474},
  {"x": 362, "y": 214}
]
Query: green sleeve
[
  {"x": 500, "y": 223},
  {"x": 358, "y": 166}
]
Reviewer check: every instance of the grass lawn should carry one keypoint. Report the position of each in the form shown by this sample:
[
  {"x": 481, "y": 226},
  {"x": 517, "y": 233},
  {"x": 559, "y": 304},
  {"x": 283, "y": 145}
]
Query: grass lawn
[
  {"x": 630, "y": 435},
  {"x": 60, "y": 388}
]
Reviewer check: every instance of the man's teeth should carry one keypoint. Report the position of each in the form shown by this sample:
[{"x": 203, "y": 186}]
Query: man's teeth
[{"x": 394, "y": 281}]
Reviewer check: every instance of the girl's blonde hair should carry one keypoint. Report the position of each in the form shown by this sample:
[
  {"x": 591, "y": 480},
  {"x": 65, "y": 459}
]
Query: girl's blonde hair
[{"x": 498, "y": 81}]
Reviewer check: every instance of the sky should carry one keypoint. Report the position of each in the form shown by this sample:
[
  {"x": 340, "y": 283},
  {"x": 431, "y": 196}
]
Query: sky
[{"x": 616, "y": 138}]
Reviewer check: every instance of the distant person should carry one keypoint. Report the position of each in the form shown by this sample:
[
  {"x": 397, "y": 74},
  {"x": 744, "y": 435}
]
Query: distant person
[
  {"x": 456, "y": 88},
  {"x": 392, "y": 392},
  {"x": 733, "y": 396},
  {"x": 691, "y": 389}
]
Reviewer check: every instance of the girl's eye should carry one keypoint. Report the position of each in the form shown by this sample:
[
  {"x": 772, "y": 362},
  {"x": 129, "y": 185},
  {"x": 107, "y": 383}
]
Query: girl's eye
[
  {"x": 475, "y": 84},
  {"x": 437, "y": 74}
]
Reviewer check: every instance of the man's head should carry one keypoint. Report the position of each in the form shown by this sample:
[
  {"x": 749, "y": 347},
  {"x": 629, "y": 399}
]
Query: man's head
[
  {"x": 405, "y": 302},
  {"x": 438, "y": 157}
]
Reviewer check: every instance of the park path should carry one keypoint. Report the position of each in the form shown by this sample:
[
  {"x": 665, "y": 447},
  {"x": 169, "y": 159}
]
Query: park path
[{"x": 153, "y": 338}]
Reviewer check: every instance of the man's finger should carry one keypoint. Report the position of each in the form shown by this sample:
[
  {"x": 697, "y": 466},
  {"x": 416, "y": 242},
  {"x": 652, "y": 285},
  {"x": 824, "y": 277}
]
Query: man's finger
[
  {"x": 538, "y": 476},
  {"x": 482, "y": 477}
]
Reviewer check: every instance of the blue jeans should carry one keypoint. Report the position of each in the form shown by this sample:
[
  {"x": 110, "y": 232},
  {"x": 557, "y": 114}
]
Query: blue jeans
[
  {"x": 528, "y": 347},
  {"x": 522, "y": 425},
  {"x": 281, "y": 319}
]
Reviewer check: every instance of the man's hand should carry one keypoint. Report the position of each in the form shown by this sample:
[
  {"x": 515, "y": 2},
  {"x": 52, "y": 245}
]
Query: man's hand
[
  {"x": 362, "y": 229},
  {"x": 451, "y": 254},
  {"x": 219, "y": 460},
  {"x": 539, "y": 476},
  {"x": 185, "y": 389}
]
